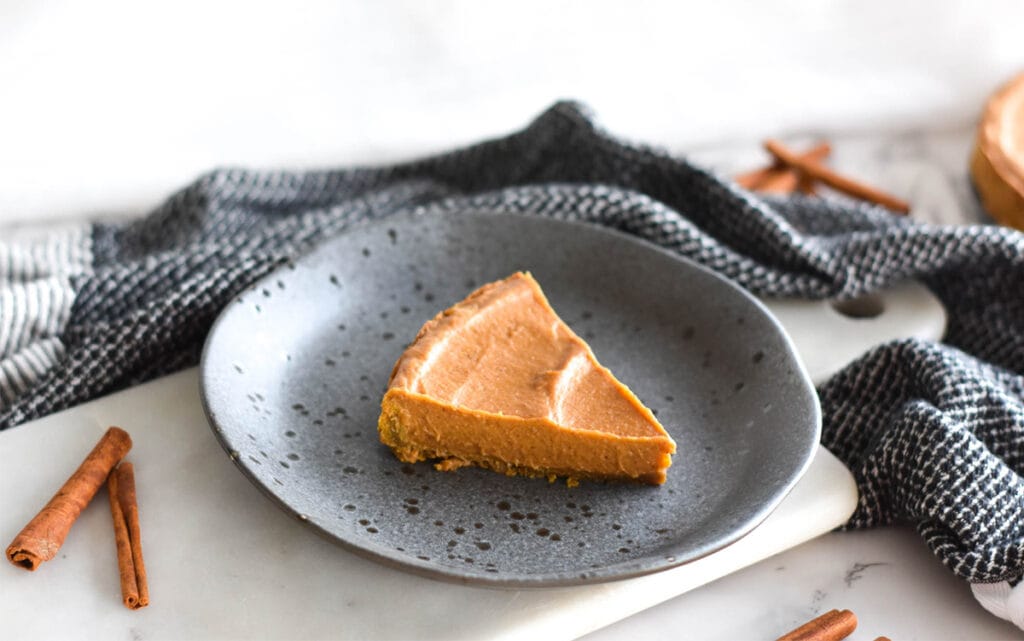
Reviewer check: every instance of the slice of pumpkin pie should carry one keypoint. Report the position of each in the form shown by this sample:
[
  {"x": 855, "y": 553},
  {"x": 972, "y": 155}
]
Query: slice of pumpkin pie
[{"x": 500, "y": 381}]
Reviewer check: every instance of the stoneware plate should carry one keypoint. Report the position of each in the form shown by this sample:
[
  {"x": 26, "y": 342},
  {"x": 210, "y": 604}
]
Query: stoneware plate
[{"x": 294, "y": 370}]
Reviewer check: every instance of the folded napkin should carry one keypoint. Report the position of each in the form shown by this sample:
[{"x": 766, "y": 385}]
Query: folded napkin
[{"x": 934, "y": 433}]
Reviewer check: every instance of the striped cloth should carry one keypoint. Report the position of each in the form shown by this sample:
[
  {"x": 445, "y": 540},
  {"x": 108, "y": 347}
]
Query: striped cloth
[
  {"x": 36, "y": 297},
  {"x": 933, "y": 432}
]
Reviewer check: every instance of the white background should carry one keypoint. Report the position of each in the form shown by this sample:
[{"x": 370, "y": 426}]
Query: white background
[{"x": 107, "y": 106}]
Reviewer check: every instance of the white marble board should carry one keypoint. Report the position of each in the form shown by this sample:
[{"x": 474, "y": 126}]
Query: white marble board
[{"x": 224, "y": 562}]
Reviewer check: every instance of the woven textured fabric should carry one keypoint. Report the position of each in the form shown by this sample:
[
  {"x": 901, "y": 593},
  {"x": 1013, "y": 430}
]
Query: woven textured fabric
[{"x": 934, "y": 433}]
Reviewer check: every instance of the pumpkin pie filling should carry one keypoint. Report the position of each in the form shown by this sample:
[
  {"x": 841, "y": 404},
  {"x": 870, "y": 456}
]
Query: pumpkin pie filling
[{"x": 500, "y": 381}]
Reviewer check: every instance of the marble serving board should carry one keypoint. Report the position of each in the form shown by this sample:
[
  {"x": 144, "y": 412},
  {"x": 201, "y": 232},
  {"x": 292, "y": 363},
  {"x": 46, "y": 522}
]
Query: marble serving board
[{"x": 225, "y": 563}]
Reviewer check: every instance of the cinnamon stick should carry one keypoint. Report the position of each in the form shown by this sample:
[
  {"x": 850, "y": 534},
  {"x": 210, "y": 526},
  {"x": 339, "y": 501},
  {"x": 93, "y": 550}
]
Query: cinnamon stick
[
  {"x": 820, "y": 172},
  {"x": 777, "y": 177},
  {"x": 783, "y": 181},
  {"x": 125, "y": 512},
  {"x": 805, "y": 185},
  {"x": 831, "y": 626},
  {"x": 786, "y": 181},
  {"x": 42, "y": 537}
]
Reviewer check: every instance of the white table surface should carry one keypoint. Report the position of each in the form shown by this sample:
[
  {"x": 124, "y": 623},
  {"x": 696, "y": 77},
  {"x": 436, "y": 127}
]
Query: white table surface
[
  {"x": 266, "y": 575},
  {"x": 225, "y": 563},
  {"x": 106, "y": 107}
]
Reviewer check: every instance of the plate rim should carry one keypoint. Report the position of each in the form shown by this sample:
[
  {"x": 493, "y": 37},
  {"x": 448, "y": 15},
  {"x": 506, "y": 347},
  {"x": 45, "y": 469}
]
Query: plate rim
[{"x": 613, "y": 572}]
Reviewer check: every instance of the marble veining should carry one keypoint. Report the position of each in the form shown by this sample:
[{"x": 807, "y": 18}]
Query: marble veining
[{"x": 887, "y": 577}]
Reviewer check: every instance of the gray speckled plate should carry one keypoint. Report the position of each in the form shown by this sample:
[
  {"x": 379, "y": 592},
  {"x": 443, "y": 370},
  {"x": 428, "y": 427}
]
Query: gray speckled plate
[{"x": 293, "y": 372}]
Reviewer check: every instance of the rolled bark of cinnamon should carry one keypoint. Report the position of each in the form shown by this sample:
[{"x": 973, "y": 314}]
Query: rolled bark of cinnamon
[
  {"x": 805, "y": 185},
  {"x": 782, "y": 181},
  {"x": 42, "y": 537},
  {"x": 125, "y": 512},
  {"x": 822, "y": 173},
  {"x": 777, "y": 177},
  {"x": 831, "y": 626}
]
